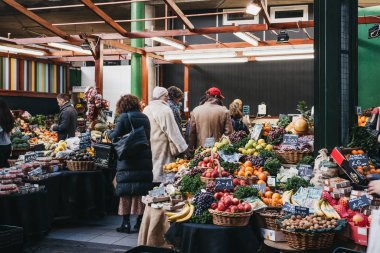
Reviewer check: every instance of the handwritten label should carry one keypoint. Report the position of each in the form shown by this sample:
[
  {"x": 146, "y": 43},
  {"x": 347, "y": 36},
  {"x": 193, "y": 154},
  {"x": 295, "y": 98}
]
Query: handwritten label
[
  {"x": 209, "y": 142},
  {"x": 358, "y": 203},
  {"x": 358, "y": 160},
  {"x": 289, "y": 208},
  {"x": 234, "y": 158},
  {"x": 157, "y": 192},
  {"x": 300, "y": 210},
  {"x": 223, "y": 183},
  {"x": 85, "y": 141},
  {"x": 30, "y": 157},
  {"x": 305, "y": 170},
  {"x": 290, "y": 139},
  {"x": 271, "y": 181},
  {"x": 256, "y": 132},
  {"x": 35, "y": 172},
  {"x": 170, "y": 177},
  {"x": 260, "y": 187}
]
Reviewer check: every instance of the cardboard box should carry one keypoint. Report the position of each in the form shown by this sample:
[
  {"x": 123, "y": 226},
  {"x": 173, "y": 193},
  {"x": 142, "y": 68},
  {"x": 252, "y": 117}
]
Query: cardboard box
[
  {"x": 276, "y": 236},
  {"x": 359, "y": 234},
  {"x": 344, "y": 191},
  {"x": 338, "y": 154}
]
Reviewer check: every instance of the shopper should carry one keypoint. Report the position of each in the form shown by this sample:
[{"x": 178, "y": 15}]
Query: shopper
[
  {"x": 134, "y": 175},
  {"x": 6, "y": 126},
  {"x": 210, "y": 120},
  {"x": 374, "y": 187},
  {"x": 240, "y": 105},
  {"x": 175, "y": 96},
  {"x": 165, "y": 137},
  {"x": 237, "y": 118},
  {"x": 67, "y": 123}
]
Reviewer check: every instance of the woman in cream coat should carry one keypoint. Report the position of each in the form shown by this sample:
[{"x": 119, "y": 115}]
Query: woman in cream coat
[{"x": 165, "y": 138}]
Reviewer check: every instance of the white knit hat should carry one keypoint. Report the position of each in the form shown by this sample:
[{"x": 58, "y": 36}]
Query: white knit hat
[{"x": 158, "y": 92}]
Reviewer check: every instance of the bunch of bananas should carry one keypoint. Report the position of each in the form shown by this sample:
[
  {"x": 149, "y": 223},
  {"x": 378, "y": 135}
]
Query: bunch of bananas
[
  {"x": 182, "y": 216},
  {"x": 62, "y": 146},
  {"x": 287, "y": 197},
  {"x": 323, "y": 208}
]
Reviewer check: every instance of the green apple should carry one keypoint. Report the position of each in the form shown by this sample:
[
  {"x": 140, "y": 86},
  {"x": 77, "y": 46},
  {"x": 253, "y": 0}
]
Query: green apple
[
  {"x": 250, "y": 151},
  {"x": 256, "y": 154},
  {"x": 245, "y": 152},
  {"x": 261, "y": 141},
  {"x": 241, "y": 149},
  {"x": 263, "y": 145},
  {"x": 259, "y": 147},
  {"x": 251, "y": 141},
  {"x": 225, "y": 142},
  {"x": 214, "y": 149},
  {"x": 269, "y": 147},
  {"x": 219, "y": 145}
]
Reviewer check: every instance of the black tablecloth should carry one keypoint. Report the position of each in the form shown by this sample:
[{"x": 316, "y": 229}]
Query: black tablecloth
[
  {"x": 29, "y": 211},
  {"x": 199, "y": 238}
]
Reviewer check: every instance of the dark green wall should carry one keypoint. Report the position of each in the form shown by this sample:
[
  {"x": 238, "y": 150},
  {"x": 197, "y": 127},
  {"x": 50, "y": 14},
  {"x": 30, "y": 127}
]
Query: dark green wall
[
  {"x": 75, "y": 77},
  {"x": 368, "y": 62}
]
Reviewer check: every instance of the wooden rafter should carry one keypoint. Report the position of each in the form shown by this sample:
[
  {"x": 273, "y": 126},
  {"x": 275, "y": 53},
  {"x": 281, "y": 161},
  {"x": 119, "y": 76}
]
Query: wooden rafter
[
  {"x": 180, "y": 14},
  {"x": 105, "y": 17},
  {"x": 125, "y": 47},
  {"x": 264, "y": 11},
  {"x": 90, "y": 58},
  {"x": 42, "y": 22}
]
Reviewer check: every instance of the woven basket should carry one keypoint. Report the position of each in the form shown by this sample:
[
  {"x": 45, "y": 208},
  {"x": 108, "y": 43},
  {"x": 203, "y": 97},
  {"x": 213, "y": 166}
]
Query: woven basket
[
  {"x": 249, "y": 180},
  {"x": 308, "y": 241},
  {"x": 80, "y": 165},
  {"x": 207, "y": 179},
  {"x": 230, "y": 219},
  {"x": 292, "y": 157},
  {"x": 270, "y": 217}
]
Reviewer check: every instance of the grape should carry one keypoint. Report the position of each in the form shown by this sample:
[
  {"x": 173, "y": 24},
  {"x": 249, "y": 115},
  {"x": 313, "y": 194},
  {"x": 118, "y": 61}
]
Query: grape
[
  {"x": 203, "y": 201},
  {"x": 275, "y": 136},
  {"x": 194, "y": 171},
  {"x": 237, "y": 136},
  {"x": 258, "y": 161},
  {"x": 211, "y": 186}
]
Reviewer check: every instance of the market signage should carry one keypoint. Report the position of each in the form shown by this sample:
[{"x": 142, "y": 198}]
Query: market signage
[
  {"x": 30, "y": 157},
  {"x": 289, "y": 208},
  {"x": 358, "y": 203},
  {"x": 290, "y": 139},
  {"x": 358, "y": 160},
  {"x": 305, "y": 170},
  {"x": 300, "y": 210},
  {"x": 209, "y": 142},
  {"x": 256, "y": 132},
  {"x": 223, "y": 183},
  {"x": 260, "y": 187},
  {"x": 85, "y": 141}
]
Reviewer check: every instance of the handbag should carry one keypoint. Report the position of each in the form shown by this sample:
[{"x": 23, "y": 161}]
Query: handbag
[{"x": 132, "y": 143}]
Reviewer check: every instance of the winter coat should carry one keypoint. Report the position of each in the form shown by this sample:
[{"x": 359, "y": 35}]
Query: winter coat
[
  {"x": 207, "y": 121},
  {"x": 164, "y": 133},
  {"x": 67, "y": 122},
  {"x": 134, "y": 175},
  {"x": 239, "y": 125}
]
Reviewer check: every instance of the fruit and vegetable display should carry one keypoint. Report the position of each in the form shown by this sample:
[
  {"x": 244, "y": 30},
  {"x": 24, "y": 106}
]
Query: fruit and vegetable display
[
  {"x": 81, "y": 155},
  {"x": 310, "y": 223},
  {"x": 19, "y": 140},
  {"x": 175, "y": 166}
]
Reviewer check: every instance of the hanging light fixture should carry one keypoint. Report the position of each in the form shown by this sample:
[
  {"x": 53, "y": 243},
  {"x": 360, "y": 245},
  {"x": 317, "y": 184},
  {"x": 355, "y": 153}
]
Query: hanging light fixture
[
  {"x": 216, "y": 60},
  {"x": 169, "y": 42},
  {"x": 70, "y": 48},
  {"x": 248, "y": 37},
  {"x": 21, "y": 50},
  {"x": 285, "y": 57},
  {"x": 253, "y": 9},
  {"x": 189, "y": 56}
]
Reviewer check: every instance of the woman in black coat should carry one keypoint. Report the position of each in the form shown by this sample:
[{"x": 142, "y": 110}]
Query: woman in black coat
[{"x": 134, "y": 176}]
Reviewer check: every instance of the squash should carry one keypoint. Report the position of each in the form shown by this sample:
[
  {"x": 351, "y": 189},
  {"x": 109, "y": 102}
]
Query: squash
[
  {"x": 289, "y": 127},
  {"x": 301, "y": 125}
]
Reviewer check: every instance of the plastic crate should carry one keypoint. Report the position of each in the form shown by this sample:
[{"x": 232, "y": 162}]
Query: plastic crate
[
  {"x": 11, "y": 239},
  {"x": 147, "y": 249},
  {"x": 105, "y": 155}
]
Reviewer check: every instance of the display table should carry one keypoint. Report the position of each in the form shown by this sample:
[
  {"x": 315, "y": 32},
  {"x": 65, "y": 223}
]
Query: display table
[
  {"x": 29, "y": 211},
  {"x": 199, "y": 238},
  {"x": 281, "y": 246},
  {"x": 153, "y": 228}
]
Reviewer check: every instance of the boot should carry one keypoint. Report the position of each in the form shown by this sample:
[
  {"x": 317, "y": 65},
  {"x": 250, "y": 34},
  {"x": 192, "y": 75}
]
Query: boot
[
  {"x": 138, "y": 223},
  {"x": 125, "y": 226}
]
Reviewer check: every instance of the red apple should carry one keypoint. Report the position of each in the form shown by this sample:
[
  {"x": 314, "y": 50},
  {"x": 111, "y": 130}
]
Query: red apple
[
  {"x": 228, "y": 210},
  {"x": 206, "y": 159},
  {"x": 215, "y": 174},
  {"x": 216, "y": 168},
  {"x": 242, "y": 182},
  {"x": 200, "y": 164},
  {"x": 214, "y": 206},
  {"x": 235, "y": 201},
  {"x": 234, "y": 209},
  {"x": 227, "y": 201},
  {"x": 208, "y": 174},
  {"x": 236, "y": 182},
  {"x": 221, "y": 207},
  {"x": 204, "y": 174},
  {"x": 225, "y": 174},
  {"x": 226, "y": 194},
  {"x": 360, "y": 220},
  {"x": 247, "y": 207},
  {"x": 241, "y": 208},
  {"x": 218, "y": 195}
]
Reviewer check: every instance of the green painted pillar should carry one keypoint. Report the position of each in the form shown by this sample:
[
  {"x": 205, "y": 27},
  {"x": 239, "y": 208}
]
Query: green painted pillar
[
  {"x": 335, "y": 94},
  {"x": 137, "y": 12}
]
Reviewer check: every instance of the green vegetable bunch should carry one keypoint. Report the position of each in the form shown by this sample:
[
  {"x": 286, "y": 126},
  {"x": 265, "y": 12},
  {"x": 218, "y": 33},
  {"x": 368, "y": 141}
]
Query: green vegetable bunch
[
  {"x": 243, "y": 191},
  {"x": 284, "y": 121},
  {"x": 295, "y": 183},
  {"x": 362, "y": 138},
  {"x": 272, "y": 165},
  {"x": 268, "y": 154},
  {"x": 307, "y": 160},
  {"x": 230, "y": 167},
  {"x": 228, "y": 149},
  {"x": 204, "y": 218},
  {"x": 241, "y": 143},
  {"x": 191, "y": 184}
]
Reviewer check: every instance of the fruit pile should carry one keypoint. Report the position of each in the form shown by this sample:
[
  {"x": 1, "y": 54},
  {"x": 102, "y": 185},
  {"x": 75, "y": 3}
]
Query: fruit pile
[
  {"x": 364, "y": 170},
  {"x": 184, "y": 215},
  {"x": 253, "y": 148},
  {"x": 266, "y": 129},
  {"x": 310, "y": 222},
  {"x": 208, "y": 161},
  {"x": 81, "y": 155},
  {"x": 271, "y": 198},
  {"x": 203, "y": 202},
  {"x": 228, "y": 203},
  {"x": 174, "y": 167},
  {"x": 19, "y": 140},
  {"x": 248, "y": 170}
]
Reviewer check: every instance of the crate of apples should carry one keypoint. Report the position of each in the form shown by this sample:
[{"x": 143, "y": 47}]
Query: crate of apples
[{"x": 229, "y": 204}]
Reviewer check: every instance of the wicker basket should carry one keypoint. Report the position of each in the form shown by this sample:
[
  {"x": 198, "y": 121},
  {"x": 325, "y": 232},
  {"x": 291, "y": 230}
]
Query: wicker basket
[
  {"x": 11, "y": 238},
  {"x": 230, "y": 219},
  {"x": 308, "y": 241},
  {"x": 270, "y": 217},
  {"x": 249, "y": 180},
  {"x": 292, "y": 157},
  {"x": 80, "y": 165},
  {"x": 207, "y": 179}
]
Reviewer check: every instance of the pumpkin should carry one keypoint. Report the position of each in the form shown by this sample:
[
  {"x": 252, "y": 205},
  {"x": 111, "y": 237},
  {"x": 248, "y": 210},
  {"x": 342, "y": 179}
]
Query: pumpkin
[
  {"x": 301, "y": 125},
  {"x": 289, "y": 127}
]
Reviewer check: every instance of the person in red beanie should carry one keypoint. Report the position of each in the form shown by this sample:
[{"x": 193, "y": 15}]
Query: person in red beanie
[{"x": 209, "y": 120}]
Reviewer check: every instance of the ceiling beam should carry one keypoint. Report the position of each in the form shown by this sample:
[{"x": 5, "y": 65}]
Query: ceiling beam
[
  {"x": 42, "y": 22},
  {"x": 105, "y": 17},
  {"x": 180, "y": 14},
  {"x": 264, "y": 11},
  {"x": 66, "y": 53},
  {"x": 125, "y": 47},
  {"x": 90, "y": 58}
]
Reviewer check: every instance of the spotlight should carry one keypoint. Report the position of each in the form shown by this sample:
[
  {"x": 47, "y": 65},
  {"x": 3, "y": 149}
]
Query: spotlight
[
  {"x": 283, "y": 37},
  {"x": 374, "y": 32}
]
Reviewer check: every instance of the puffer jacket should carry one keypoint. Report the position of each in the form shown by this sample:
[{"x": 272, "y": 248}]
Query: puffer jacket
[
  {"x": 67, "y": 123},
  {"x": 134, "y": 176}
]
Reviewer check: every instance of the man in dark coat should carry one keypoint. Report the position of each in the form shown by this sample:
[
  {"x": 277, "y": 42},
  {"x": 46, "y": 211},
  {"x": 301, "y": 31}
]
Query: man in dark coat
[{"x": 67, "y": 122}]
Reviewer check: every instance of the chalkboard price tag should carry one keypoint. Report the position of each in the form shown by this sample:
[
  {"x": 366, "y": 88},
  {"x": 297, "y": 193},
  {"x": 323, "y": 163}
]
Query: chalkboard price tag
[
  {"x": 300, "y": 210},
  {"x": 85, "y": 141},
  {"x": 30, "y": 157},
  {"x": 260, "y": 187},
  {"x": 358, "y": 203},
  {"x": 305, "y": 170},
  {"x": 223, "y": 183},
  {"x": 289, "y": 208},
  {"x": 209, "y": 142},
  {"x": 39, "y": 147},
  {"x": 157, "y": 192},
  {"x": 290, "y": 139},
  {"x": 358, "y": 160},
  {"x": 256, "y": 132}
]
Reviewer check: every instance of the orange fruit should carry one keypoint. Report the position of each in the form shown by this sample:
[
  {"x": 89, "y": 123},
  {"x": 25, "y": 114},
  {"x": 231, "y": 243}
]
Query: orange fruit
[
  {"x": 267, "y": 128},
  {"x": 250, "y": 169},
  {"x": 235, "y": 173},
  {"x": 261, "y": 182},
  {"x": 262, "y": 176},
  {"x": 266, "y": 201},
  {"x": 255, "y": 172},
  {"x": 248, "y": 174},
  {"x": 267, "y": 189},
  {"x": 241, "y": 174},
  {"x": 248, "y": 164},
  {"x": 260, "y": 194},
  {"x": 266, "y": 173},
  {"x": 276, "y": 196},
  {"x": 372, "y": 171},
  {"x": 378, "y": 171},
  {"x": 261, "y": 169},
  {"x": 360, "y": 170},
  {"x": 268, "y": 194},
  {"x": 354, "y": 152},
  {"x": 265, "y": 134},
  {"x": 360, "y": 152}
]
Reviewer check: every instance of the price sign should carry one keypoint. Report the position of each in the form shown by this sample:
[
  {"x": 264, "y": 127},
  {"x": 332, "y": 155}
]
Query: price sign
[
  {"x": 256, "y": 132},
  {"x": 39, "y": 147},
  {"x": 157, "y": 192},
  {"x": 290, "y": 139},
  {"x": 170, "y": 177},
  {"x": 246, "y": 110},
  {"x": 108, "y": 113},
  {"x": 358, "y": 203},
  {"x": 271, "y": 181},
  {"x": 300, "y": 210},
  {"x": 30, "y": 157},
  {"x": 85, "y": 141},
  {"x": 209, "y": 142},
  {"x": 224, "y": 183},
  {"x": 260, "y": 187},
  {"x": 305, "y": 170},
  {"x": 358, "y": 160},
  {"x": 289, "y": 208},
  {"x": 35, "y": 172}
]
